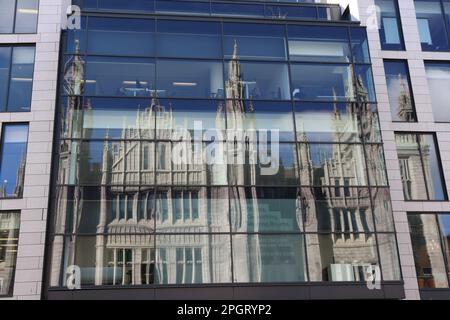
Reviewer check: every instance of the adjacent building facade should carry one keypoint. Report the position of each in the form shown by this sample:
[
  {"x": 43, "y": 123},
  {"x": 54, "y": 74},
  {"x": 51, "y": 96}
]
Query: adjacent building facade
[{"x": 224, "y": 149}]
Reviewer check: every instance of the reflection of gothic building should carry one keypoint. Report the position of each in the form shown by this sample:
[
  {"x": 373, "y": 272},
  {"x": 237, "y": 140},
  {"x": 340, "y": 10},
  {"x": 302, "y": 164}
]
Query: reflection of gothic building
[{"x": 130, "y": 208}]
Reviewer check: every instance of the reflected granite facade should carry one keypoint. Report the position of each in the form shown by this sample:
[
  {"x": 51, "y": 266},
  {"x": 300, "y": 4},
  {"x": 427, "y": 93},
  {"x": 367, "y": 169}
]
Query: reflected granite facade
[{"x": 127, "y": 213}]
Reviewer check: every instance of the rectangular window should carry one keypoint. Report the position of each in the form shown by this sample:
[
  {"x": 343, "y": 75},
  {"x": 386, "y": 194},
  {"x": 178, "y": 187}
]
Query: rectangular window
[
  {"x": 399, "y": 91},
  {"x": 389, "y": 25},
  {"x": 432, "y": 26},
  {"x": 429, "y": 237},
  {"x": 18, "y": 16},
  {"x": 438, "y": 75},
  {"x": 420, "y": 167},
  {"x": 16, "y": 78},
  {"x": 9, "y": 240},
  {"x": 13, "y": 157}
]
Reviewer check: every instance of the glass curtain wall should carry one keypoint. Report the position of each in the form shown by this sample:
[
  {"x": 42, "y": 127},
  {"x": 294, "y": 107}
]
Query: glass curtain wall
[{"x": 222, "y": 158}]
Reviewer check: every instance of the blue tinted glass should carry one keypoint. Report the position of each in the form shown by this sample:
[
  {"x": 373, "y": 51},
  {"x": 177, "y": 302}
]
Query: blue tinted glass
[
  {"x": 331, "y": 82},
  {"x": 132, "y": 37},
  {"x": 7, "y": 16},
  {"x": 5, "y": 62},
  {"x": 190, "y": 79},
  {"x": 308, "y": 43},
  {"x": 21, "y": 81},
  {"x": 12, "y": 166},
  {"x": 76, "y": 38},
  {"x": 188, "y": 39},
  {"x": 126, "y": 77},
  {"x": 431, "y": 24},
  {"x": 251, "y": 80},
  {"x": 253, "y": 41},
  {"x": 360, "y": 45},
  {"x": 180, "y": 7},
  {"x": 290, "y": 12},
  {"x": 133, "y": 5},
  {"x": 26, "y": 16},
  {"x": 390, "y": 32},
  {"x": 237, "y": 9},
  {"x": 365, "y": 90}
]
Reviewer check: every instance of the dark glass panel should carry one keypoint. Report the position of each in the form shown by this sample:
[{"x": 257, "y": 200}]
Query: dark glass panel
[
  {"x": 259, "y": 81},
  {"x": 360, "y": 45},
  {"x": 269, "y": 258},
  {"x": 5, "y": 62},
  {"x": 225, "y": 9},
  {"x": 254, "y": 41},
  {"x": 389, "y": 26},
  {"x": 128, "y": 37},
  {"x": 341, "y": 257},
  {"x": 175, "y": 256},
  {"x": 189, "y": 39},
  {"x": 76, "y": 38},
  {"x": 322, "y": 82},
  {"x": 129, "y": 5},
  {"x": 182, "y": 7},
  {"x": 365, "y": 90},
  {"x": 123, "y": 77},
  {"x": 190, "y": 79},
  {"x": 327, "y": 44},
  {"x": 290, "y": 12},
  {"x": 264, "y": 210},
  {"x": 431, "y": 24}
]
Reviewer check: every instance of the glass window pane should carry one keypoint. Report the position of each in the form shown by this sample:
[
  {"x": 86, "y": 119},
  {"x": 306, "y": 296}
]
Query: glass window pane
[
  {"x": 76, "y": 38},
  {"x": 227, "y": 9},
  {"x": 212, "y": 215},
  {"x": 7, "y": 16},
  {"x": 5, "y": 62},
  {"x": 371, "y": 130},
  {"x": 444, "y": 222},
  {"x": 129, "y": 37},
  {"x": 389, "y": 259},
  {"x": 21, "y": 81},
  {"x": 264, "y": 210},
  {"x": 330, "y": 44},
  {"x": 438, "y": 75},
  {"x": 327, "y": 209},
  {"x": 322, "y": 82},
  {"x": 9, "y": 240},
  {"x": 12, "y": 166},
  {"x": 202, "y": 119},
  {"x": 269, "y": 258},
  {"x": 428, "y": 255},
  {"x": 431, "y": 24},
  {"x": 171, "y": 259},
  {"x": 390, "y": 31},
  {"x": 320, "y": 164},
  {"x": 254, "y": 41},
  {"x": 382, "y": 207},
  {"x": 411, "y": 170},
  {"x": 182, "y": 7},
  {"x": 190, "y": 79},
  {"x": 327, "y": 122},
  {"x": 116, "y": 162},
  {"x": 118, "y": 118},
  {"x": 191, "y": 163},
  {"x": 26, "y": 16},
  {"x": 126, "y": 77},
  {"x": 290, "y": 12},
  {"x": 129, "y": 5},
  {"x": 376, "y": 165},
  {"x": 365, "y": 90},
  {"x": 264, "y": 163},
  {"x": 261, "y": 116},
  {"x": 399, "y": 91},
  {"x": 189, "y": 39},
  {"x": 432, "y": 167},
  {"x": 341, "y": 257},
  {"x": 259, "y": 81},
  {"x": 360, "y": 45}
]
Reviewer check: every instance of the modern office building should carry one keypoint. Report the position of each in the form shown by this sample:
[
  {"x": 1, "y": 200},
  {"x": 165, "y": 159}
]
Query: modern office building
[{"x": 156, "y": 149}]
